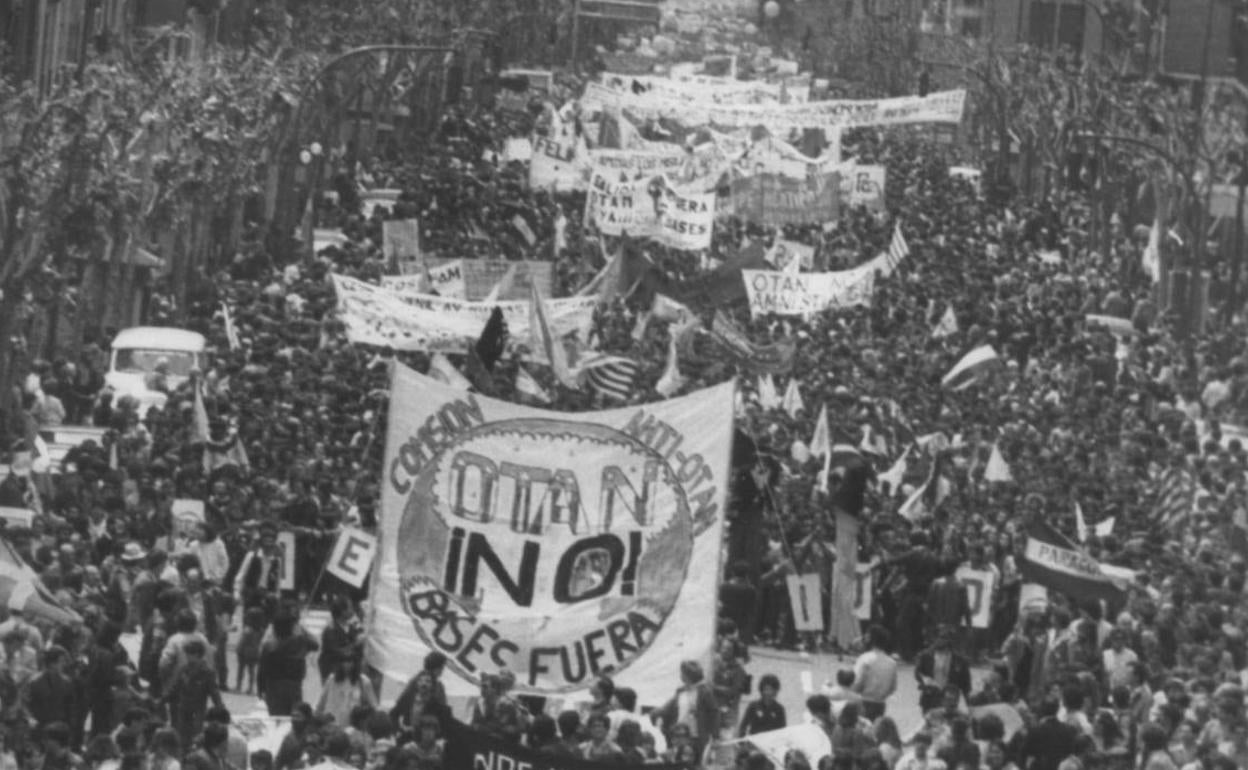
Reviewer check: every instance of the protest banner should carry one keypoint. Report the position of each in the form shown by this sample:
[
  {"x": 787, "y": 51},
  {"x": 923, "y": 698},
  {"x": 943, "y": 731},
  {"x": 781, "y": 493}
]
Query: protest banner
[
  {"x": 469, "y": 749},
  {"x": 707, "y": 88},
  {"x": 535, "y": 85},
  {"x": 651, "y": 208},
  {"x": 801, "y": 293},
  {"x": 370, "y": 200},
  {"x": 805, "y": 602},
  {"x": 352, "y": 557},
  {"x": 446, "y": 280},
  {"x": 979, "y": 587},
  {"x": 400, "y": 244},
  {"x": 374, "y": 315},
  {"x": 557, "y": 545},
  {"x": 775, "y": 199},
  {"x": 771, "y": 155},
  {"x": 481, "y": 276},
  {"x": 517, "y": 149},
  {"x": 864, "y": 186},
  {"x": 863, "y": 590},
  {"x": 558, "y": 162},
  {"x": 809, "y": 740},
  {"x": 941, "y": 107}
]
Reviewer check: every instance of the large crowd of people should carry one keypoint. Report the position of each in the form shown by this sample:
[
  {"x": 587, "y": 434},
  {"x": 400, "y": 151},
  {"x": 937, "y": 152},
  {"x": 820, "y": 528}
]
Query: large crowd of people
[{"x": 1084, "y": 419}]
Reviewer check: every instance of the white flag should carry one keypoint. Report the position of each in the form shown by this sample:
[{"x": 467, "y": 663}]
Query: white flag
[
  {"x": 768, "y": 398},
  {"x": 821, "y": 441},
  {"x": 809, "y": 739},
  {"x": 231, "y": 332},
  {"x": 443, "y": 370},
  {"x": 948, "y": 325},
  {"x": 1105, "y": 528},
  {"x": 872, "y": 442},
  {"x": 352, "y": 558},
  {"x": 672, "y": 380},
  {"x": 998, "y": 469},
  {"x": 896, "y": 474},
  {"x": 502, "y": 287},
  {"x": 1151, "y": 261},
  {"x": 527, "y": 384},
  {"x": 792, "y": 402},
  {"x": 1081, "y": 525}
]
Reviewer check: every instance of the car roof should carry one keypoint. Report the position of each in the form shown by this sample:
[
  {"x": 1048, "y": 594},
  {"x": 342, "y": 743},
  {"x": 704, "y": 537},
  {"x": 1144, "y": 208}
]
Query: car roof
[{"x": 159, "y": 338}]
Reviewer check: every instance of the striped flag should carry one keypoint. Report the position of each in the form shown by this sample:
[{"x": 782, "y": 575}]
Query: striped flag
[
  {"x": 971, "y": 368},
  {"x": 898, "y": 249},
  {"x": 1053, "y": 561},
  {"x": 1176, "y": 495},
  {"x": 613, "y": 378}
]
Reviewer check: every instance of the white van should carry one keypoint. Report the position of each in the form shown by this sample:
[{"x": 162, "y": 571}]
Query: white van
[{"x": 137, "y": 352}]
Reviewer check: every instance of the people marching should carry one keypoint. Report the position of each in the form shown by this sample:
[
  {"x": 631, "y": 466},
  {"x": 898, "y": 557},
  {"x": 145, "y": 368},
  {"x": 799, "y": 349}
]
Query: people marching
[{"x": 975, "y": 384}]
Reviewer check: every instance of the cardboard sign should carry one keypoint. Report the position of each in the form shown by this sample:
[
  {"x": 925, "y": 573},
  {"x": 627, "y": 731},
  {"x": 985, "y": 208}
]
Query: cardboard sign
[
  {"x": 286, "y": 547},
  {"x": 352, "y": 558},
  {"x": 804, "y": 600},
  {"x": 862, "y": 593},
  {"x": 979, "y": 586}
]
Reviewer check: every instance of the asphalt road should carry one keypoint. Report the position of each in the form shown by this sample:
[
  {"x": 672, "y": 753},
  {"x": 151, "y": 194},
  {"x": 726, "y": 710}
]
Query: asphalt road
[{"x": 800, "y": 675}]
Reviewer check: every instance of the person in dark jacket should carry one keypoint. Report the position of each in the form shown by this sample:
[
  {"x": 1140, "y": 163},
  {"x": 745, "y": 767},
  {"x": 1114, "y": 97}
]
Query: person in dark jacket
[
  {"x": 52, "y": 696},
  {"x": 766, "y": 713},
  {"x": 940, "y": 666},
  {"x": 283, "y": 664},
  {"x": 1050, "y": 741},
  {"x": 340, "y": 641}
]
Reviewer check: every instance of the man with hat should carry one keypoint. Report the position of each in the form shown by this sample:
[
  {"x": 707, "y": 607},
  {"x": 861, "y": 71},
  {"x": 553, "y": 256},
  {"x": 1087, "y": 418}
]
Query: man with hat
[{"x": 121, "y": 585}]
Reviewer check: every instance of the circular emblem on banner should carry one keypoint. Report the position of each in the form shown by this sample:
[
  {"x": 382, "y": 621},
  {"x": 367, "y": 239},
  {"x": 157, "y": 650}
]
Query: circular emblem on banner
[{"x": 555, "y": 549}]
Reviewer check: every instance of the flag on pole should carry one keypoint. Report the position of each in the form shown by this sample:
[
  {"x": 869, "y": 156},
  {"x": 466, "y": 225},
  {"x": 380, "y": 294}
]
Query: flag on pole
[
  {"x": 997, "y": 469},
  {"x": 612, "y": 378},
  {"x": 527, "y": 385},
  {"x": 1176, "y": 496},
  {"x": 544, "y": 339},
  {"x": 821, "y": 440},
  {"x": 948, "y": 325},
  {"x": 896, "y": 474},
  {"x": 1053, "y": 561},
  {"x": 672, "y": 380},
  {"x": 972, "y": 368},
  {"x": 231, "y": 333},
  {"x": 768, "y": 398},
  {"x": 792, "y": 402},
  {"x": 873, "y": 443},
  {"x": 898, "y": 249},
  {"x": 502, "y": 287},
  {"x": 199, "y": 417},
  {"x": 441, "y": 369},
  {"x": 928, "y": 497}
]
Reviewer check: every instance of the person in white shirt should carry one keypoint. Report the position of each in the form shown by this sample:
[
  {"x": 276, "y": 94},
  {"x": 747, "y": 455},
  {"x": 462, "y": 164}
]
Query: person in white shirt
[
  {"x": 875, "y": 674},
  {"x": 214, "y": 561},
  {"x": 1118, "y": 660},
  {"x": 841, "y": 692}
]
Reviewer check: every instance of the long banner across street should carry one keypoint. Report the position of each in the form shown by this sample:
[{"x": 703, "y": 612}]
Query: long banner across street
[
  {"x": 374, "y": 315},
  {"x": 559, "y": 546},
  {"x": 942, "y": 107}
]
